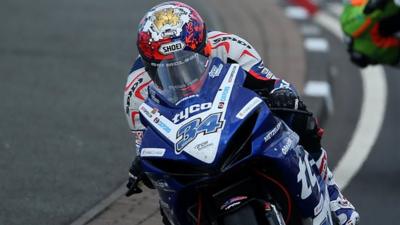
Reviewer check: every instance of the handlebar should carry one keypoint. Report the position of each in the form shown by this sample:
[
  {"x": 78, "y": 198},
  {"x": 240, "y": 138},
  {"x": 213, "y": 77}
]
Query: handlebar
[{"x": 291, "y": 110}]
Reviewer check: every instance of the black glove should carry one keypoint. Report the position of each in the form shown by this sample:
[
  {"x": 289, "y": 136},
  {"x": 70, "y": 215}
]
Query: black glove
[
  {"x": 284, "y": 99},
  {"x": 310, "y": 134},
  {"x": 360, "y": 59},
  {"x": 132, "y": 185},
  {"x": 297, "y": 117},
  {"x": 357, "y": 58},
  {"x": 389, "y": 26},
  {"x": 373, "y": 5},
  {"x": 135, "y": 176}
]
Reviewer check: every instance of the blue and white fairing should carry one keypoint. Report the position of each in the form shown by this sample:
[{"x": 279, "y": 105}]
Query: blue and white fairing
[{"x": 197, "y": 131}]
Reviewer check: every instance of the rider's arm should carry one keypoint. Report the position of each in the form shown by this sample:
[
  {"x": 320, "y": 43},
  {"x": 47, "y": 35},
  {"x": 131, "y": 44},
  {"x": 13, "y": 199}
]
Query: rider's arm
[
  {"x": 231, "y": 48},
  {"x": 373, "y": 5},
  {"x": 390, "y": 26},
  {"x": 135, "y": 92},
  {"x": 277, "y": 92}
]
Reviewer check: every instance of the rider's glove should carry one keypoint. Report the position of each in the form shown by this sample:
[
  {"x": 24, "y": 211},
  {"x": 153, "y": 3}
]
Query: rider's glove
[
  {"x": 133, "y": 185},
  {"x": 136, "y": 176},
  {"x": 297, "y": 117},
  {"x": 284, "y": 98},
  {"x": 357, "y": 58},
  {"x": 373, "y": 5},
  {"x": 310, "y": 134}
]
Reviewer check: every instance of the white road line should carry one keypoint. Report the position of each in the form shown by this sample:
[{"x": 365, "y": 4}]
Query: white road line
[
  {"x": 372, "y": 113},
  {"x": 310, "y": 30},
  {"x": 368, "y": 127},
  {"x": 297, "y": 13},
  {"x": 336, "y": 8},
  {"x": 330, "y": 23},
  {"x": 316, "y": 44},
  {"x": 320, "y": 89}
]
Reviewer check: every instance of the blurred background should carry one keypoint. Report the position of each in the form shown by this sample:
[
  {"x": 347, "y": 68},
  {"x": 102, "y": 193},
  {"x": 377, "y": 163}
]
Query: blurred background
[{"x": 64, "y": 141}]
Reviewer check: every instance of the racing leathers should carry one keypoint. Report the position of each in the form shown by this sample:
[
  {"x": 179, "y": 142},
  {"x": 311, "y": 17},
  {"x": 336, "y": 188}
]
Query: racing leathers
[
  {"x": 276, "y": 92},
  {"x": 230, "y": 49},
  {"x": 370, "y": 28}
]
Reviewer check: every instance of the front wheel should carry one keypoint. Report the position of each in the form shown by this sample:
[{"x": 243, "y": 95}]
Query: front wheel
[
  {"x": 242, "y": 216},
  {"x": 247, "y": 216}
]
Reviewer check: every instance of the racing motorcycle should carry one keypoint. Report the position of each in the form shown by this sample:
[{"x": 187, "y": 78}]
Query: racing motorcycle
[{"x": 220, "y": 156}]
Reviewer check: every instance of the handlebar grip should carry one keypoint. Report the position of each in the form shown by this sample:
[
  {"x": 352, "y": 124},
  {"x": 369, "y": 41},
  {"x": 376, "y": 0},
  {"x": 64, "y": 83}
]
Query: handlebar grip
[{"x": 292, "y": 110}]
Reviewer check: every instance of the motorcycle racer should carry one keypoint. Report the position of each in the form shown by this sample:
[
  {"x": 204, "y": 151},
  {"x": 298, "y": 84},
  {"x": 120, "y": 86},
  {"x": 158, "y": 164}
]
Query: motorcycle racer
[
  {"x": 370, "y": 28},
  {"x": 173, "y": 26}
]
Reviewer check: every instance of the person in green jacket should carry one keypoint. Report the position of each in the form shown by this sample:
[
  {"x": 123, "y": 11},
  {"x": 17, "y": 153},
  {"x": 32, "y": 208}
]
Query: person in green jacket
[{"x": 372, "y": 29}]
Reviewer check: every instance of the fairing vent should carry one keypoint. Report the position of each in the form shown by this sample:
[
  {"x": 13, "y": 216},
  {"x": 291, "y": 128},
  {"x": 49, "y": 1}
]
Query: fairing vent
[
  {"x": 239, "y": 146},
  {"x": 182, "y": 172}
]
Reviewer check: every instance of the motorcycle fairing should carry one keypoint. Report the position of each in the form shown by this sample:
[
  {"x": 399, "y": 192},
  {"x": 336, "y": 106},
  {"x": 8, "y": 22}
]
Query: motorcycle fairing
[
  {"x": 203, "y": 134},
  {"x": 298, "y": 170},
  {"x": 270, "y": 138}
]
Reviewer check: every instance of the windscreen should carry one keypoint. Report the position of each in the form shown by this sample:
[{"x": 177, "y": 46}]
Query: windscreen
[{"x": 181, "y": 76}]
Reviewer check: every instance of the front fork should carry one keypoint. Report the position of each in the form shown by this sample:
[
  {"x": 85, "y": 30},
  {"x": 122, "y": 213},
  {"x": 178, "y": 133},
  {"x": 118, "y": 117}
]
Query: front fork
[{"x": 256, "y": 212}]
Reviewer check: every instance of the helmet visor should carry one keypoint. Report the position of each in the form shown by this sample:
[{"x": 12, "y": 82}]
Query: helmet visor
[{"x": 181, "y": 76}]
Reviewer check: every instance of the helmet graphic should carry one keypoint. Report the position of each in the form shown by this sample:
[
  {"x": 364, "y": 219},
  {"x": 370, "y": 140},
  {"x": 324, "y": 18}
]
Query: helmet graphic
[
  {"x": 172, "y": 42},
  {"x": 170, "y": 27}
]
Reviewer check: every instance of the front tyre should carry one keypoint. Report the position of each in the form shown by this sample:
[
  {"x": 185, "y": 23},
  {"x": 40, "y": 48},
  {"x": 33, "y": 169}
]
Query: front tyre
[
  {"x": 247, "y": 216},
  {"x": 243, "y": 216}
]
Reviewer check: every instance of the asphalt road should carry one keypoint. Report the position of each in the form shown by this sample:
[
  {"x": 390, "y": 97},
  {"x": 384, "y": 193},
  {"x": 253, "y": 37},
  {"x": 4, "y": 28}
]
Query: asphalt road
[
  {"x": 375, "y": 188},
  {"x": 64, "y": 142}
]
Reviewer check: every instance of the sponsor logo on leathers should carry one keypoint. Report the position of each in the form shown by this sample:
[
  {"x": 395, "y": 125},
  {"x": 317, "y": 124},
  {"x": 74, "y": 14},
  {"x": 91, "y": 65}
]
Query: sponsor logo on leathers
[{"x": 225, "y": 38}]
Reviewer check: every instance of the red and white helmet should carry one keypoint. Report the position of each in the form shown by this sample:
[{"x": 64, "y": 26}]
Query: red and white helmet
[{"x": 172, "y": 41}]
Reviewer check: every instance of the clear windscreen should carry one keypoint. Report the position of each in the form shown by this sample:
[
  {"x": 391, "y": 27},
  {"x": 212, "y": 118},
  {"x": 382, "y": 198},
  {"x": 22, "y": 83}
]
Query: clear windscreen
[{"x": 181, "y": 76}]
